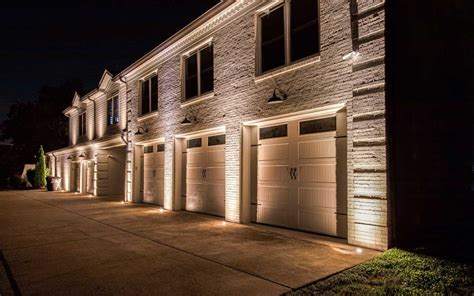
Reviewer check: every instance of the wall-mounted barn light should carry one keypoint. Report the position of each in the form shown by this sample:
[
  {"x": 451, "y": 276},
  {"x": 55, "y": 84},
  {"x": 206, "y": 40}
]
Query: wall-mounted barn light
[
  {"x": 275, "y": 99},
  {"x": 69, "y": 157},
  {"x": 188, "y": 120},
  {"x": 141, "y": 130},
  {"x": 82, "y": 155}
]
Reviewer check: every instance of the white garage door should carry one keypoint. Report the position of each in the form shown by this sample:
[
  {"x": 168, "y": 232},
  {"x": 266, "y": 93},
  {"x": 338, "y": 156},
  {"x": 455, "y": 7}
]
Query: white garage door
[
  {"x": 296, "y": 185},
  {"x": 153, "y": 180},
  {"x": 205, "y": 174}
]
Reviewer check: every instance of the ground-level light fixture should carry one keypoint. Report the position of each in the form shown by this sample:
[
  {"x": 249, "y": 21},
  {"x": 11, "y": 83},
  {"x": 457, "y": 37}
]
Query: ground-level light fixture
[{"x": 275, "y": 99}]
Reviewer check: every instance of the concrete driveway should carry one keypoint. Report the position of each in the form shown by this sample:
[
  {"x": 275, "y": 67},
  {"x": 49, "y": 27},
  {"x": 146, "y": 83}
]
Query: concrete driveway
[{"x": 61, "y": 243}]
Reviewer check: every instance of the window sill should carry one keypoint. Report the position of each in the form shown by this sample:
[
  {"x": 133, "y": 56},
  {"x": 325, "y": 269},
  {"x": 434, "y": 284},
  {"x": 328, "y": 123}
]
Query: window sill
[
  {"x": 196, "y": 100},
  {"x": 148, "y": 115},
  {"x": 286, "y": 69}
]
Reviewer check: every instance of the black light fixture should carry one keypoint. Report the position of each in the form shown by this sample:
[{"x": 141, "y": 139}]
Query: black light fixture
[
  {"x": 141, "y": 130},
  {"x": 69, "y": 157},
  {"x": 188, "y": 120},
  {"x": 277, "y": 99},
  {"x": 82, "y": 155}
]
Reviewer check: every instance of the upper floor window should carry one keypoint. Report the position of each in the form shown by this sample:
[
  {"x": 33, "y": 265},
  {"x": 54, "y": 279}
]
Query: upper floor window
[
  {"x": 113, "y": 110},
  {"x": 82, "y": 123},
  {"x": 199, "y": 73},
  {"x": 149, "y": 93},
  {"x": 288, "y": 33}
]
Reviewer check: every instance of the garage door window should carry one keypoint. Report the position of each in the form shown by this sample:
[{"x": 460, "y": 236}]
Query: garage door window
[
  {"x": 216, "y": 140},
  {"x": 277, "y": 131},
  {"x": 195, "y": 143},
  {"x": 318, "y": 126},
  {"x": 148, "y": 149},
  {"x": 160, "y": 147}
]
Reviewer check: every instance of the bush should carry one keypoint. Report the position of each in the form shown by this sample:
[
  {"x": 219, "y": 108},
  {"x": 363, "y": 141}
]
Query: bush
[
  {"x": 30, "y": 175},
  {"x": 41, "y": 170}
]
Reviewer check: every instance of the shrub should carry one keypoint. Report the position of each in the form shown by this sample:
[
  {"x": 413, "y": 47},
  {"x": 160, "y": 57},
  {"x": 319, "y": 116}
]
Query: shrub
[{"x": 41, "y": 170}]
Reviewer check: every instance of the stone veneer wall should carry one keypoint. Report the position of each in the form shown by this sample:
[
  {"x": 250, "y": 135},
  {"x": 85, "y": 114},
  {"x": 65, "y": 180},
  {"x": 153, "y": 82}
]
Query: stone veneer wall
[{"x": 239, "y": 97}]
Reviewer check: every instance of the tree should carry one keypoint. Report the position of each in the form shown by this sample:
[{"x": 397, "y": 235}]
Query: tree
[
  {"x": 41, "y": 170},
  {"x": 30, "y": 124}
]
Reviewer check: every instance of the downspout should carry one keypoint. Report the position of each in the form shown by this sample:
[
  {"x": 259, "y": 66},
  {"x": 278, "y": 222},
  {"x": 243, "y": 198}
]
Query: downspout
[
  {"x": 55, "y": 165},
  {"x": 95, "y": 117},
  {"x": 125, "y": 141}
]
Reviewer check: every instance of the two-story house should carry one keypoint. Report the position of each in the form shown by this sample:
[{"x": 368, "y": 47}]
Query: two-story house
[{"x": 266, "y": 111}]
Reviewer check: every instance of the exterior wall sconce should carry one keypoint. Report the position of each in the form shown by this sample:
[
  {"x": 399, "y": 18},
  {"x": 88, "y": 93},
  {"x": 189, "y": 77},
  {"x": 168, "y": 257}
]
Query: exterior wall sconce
[
  {"x": 188, "y": 120},
  {"x": 69, "y": 157},
  {"x": 82, "y": 155},
  {"x": 141, "y": 130},
  {"x": 275, "y": 99}
]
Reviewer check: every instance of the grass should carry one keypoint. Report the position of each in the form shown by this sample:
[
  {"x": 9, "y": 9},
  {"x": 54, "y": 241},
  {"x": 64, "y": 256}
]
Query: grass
[{"x": 398, "y": 272}]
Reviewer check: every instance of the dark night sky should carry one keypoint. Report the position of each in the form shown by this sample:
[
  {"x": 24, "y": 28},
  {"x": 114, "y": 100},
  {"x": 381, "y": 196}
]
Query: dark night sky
[{"x": 48, "y": 42}]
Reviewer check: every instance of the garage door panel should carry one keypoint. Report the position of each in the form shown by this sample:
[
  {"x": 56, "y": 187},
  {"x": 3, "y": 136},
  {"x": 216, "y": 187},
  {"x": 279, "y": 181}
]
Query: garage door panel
[
  {"x": 318, "y": 221},
  {"x": 160, "y": 159},
  {"x": 317, "y": 149},
  {"x": 160, "y": 173},
  {"x": 271, "y": 194},
  {"x": 149, "y": 173},
  {"x": 317, "y": 197},
  {"x": 273, "y": 215},
  {"x": 215, "y": 173},
  {"x": 215, "y": 199},
  {"x": 273, "y": 152},
  {"x": 196, "y": 157},
  {"x": 194, "y": 173},
  {"x": 214, "y": 157},
  {"x": 149, "y": 160},
  {"x": 317, "y": 173},
  {"x": 276, "y": 173}
]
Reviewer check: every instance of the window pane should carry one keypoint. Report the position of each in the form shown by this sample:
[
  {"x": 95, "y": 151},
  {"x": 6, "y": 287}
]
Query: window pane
[
  {"x": 154, "y": 93},
  {"x": 191, "y": 79},
  {"x": 148, "y": 149},
  {"x": 304, "y": 29},
  {"x": 273, "y": 132},
  {"x": 194, "y": 143},
  {"x": 160, "y": 147},
  {"x": 110, "y": 116},
  {"x": 145, "y": 96},
  {"x": 207, "y": 70},
  {"x": 318, "y": 126},
  {"x": 273, "y": 40},
  {"x": 116, "y": 110},
  {"x": 216, "y": 140}
]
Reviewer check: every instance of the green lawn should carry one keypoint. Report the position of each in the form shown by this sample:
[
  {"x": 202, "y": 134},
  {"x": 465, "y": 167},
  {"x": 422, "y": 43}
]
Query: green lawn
[{"x": 398, "y": 272}]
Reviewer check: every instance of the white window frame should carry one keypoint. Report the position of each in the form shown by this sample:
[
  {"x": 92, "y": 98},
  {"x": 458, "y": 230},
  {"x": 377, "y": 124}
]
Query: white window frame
[
  {"x": 141, "y": 81},
  {"x": 286, "y": 4},
  {"x": 196, "y": 50},
  {"x": 83, "y": 124},
  {"x": 116, "y": 96}
]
